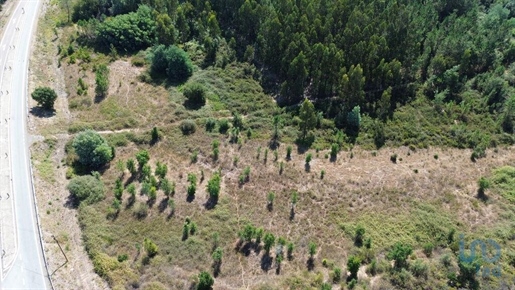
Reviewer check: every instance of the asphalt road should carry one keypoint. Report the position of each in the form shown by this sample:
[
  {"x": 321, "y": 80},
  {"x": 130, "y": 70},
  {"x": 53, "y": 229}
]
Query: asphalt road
[{"x": 28, "y": 269}]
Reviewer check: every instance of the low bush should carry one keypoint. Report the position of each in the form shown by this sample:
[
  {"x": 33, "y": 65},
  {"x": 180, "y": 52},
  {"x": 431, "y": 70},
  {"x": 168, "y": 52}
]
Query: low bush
[{"x": 188, "y": 127}]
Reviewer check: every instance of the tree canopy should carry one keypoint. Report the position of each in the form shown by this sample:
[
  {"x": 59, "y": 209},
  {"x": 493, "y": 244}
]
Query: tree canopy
[
  {"x": 92, "y": 149},
  {"x": 45, "y": 97}
]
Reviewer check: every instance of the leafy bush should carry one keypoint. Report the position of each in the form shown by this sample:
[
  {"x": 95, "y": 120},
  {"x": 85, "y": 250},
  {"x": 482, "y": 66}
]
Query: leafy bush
[
  {"x": 171, "y": 61},
  {"x": 205, "y": 281},
  {"x": 87, "y": 189},
  {"x": 399, "y": 253},
  {"x": 195, "y": 93},
  {"x": 428, "y": 249},
  {"x": 188, "y": 127},
  {"x": 210, "y": 124},
  {"x": 223, "y": 126},
  {"x": 45, "y": 97},
  {"x": 128, "y": 32},
  {"x": 353, "y": 264},
  {"x": 92, "y": 149}
]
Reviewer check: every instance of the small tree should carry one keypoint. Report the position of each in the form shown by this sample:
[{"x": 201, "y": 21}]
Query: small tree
[
  {"x": 354, "y": 120},
  {"x": 309, "y": 157},
  {"x": 248, "y": 233},
  {"x": 155, "y": 135},
  {"x": 150, "y": 247},
  {"x": 143, "y": 157},
  {"x": 168, "y": 187},
  {"x": 102, "y": 81},
  {"x": 205, "y": 281},
  {"x": 308, "y": 117},
  {"x": 288, "y": 152},
  {"x": 213, "y": 186},
  {"x": 290, "y": 247},
  {"x": 237, "y": 120},
  {"x": 217, "y": 255},
  {"x": 161, "y": 170},
  {"x": 399, "y": 253},
  {"x": 131, "y": 166},
  {"x": 334, "y": 150},
  {"x": 269, "y": 241},
  {"x": 259, "y": 234},
  {"x": 337, "y": 274},
  {"x": 192, "y": 188},
  {"x": 270, "y": 198},
  {"x": 360, "y": 232},
  {"x": 45, "y": 97},
  {"x": 483, "y": 184},
  {"x": 312, "y": 247},
  {"x": 353, "y": 266}
]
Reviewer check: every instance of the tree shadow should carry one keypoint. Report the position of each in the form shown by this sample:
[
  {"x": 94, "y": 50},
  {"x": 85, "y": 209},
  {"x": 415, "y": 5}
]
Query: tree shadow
[
  {"x": 332, "y": 158},
  {"x": 211, "y": 203},
  {"x": 307, "y": 167},
  {"x": 216, "y": 268},
  {"x": 163, "y": 204},
  {"x": 482, "y": 195},
  {"x": 170, "y": 215},
  {"x": 270, "y": 206},
  {"x": 310, "y": 264},
  {"x": 273, "y": 144},
  {"x": 41, "y": 112},
  {"x": 130, "y": 202},
  {"x": 130, "y": 180},
  {"x": 190, "y": 198},
  {"x": 292, "y": 214},
  {"x": 246, "y": 249},
  {"x": 72, "y": 202},
  {"x": 266, "y": 262},
  {"x": 99, "y": 98},
  {"x": 151, "y": 202},
  {"x": 192, "y": 105},
  {"x": 278, "y": 269}
]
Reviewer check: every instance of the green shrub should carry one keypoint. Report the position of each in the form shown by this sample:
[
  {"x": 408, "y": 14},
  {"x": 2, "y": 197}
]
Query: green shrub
[
  {"x": 428, "y": 249},
  {"x": 141, "y": 210},
  {"x": 288, "y": 152},
  {"x": 172, "y": 61},
  {"x": 87, "y": 189},
  {"x": 210, "y": 124},
  {"x": 223, "y": 126},
  {"x": 353, "y": 264},
  {"x": 127, "y": 32},
  {"x": 188, "y": 127},
  {"x": 309, "y": 157},
  {"x": 150, "y": 247},
  {"x": 195, "y": 93}
]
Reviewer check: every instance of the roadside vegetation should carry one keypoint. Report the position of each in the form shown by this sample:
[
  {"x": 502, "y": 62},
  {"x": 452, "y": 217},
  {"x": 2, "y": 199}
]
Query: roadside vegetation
[{"x": 248, "y": 138}]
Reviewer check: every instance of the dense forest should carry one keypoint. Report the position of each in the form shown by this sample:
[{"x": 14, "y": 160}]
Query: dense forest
[{"x": 374, "y": 54}]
